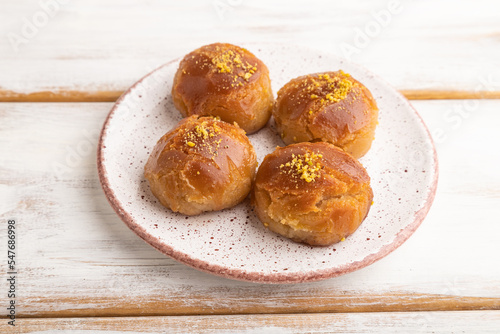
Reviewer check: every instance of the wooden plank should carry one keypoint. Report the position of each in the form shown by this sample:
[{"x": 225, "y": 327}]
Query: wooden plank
[
  {"x": 252, "y": 301},
  {"x": 76, "y": 258},
  {"x": 60, "y": 96},
  {"x": 413, "y": 94},
  {"x": 407, "y": 322},
  {"x": 79, "y": 49},
  {"x": 112, "y": 96}
]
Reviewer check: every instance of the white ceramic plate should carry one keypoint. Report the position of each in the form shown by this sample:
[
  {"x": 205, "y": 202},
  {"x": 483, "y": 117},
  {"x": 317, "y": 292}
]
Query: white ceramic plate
[{"x": 233, "y": 243}]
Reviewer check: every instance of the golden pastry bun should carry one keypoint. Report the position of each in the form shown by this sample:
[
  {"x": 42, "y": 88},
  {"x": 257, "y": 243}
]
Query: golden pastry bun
[
  {"x": 227, "y": 81},
  {"x": 313, "y": 193},
  {"x": 331, "y": 107},
  {"x": 203, "y": 164}
]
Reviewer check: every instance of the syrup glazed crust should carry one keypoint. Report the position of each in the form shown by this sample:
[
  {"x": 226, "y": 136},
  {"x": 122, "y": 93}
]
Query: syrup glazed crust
[
  {"x": 313, "y": 193},
  {"x": 203, "y": 164},
  {"x": 331, "y": 107},
  {"x": 227, "y": 81}
]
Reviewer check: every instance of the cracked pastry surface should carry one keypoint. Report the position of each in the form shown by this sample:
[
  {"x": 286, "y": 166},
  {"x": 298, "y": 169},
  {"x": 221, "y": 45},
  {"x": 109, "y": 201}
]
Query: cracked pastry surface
[
  {"x": 227, "y": 81},
  {"x": 331, "y": 107},
  {"x": 313, "y": 193},
  {"x": 203, "y": 164}
]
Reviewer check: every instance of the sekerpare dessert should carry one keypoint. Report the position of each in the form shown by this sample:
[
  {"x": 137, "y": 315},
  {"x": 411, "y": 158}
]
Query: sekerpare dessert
[
  {"x": 203, "y": 164},
  {"x": 227, "y": 81},
  {"x": 331, "y": 107},
  {"x": 314, "y": 193}
]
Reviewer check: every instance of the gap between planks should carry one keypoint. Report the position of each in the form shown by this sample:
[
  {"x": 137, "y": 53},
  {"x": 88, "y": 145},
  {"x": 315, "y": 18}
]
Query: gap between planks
[
  {"x": 113, "y": 95},
  {"x": 465, "y": 321},
  {"x": 163, "y": 306}
]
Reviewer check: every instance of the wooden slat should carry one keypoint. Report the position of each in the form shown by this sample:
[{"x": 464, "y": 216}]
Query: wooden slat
[
  {"x": 250, "y": 301},
  {"x": 61, "y": 96},
  {"x": 101, "y": 45},
  {"x": 113, "y": 95},
  {"x": 408, "y": 322},
  {"x": 76, "y": 258},
  {"x": 449, "y": 94}
]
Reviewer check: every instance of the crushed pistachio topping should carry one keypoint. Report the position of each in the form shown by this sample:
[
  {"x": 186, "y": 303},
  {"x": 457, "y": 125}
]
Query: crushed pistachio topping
[
  {"x": 304, "y": 166},
  {"x": 230, "y": 61},
  {"x": 325, "y": 88},
  {"x": 340, "y": 86},
  {"x": 202, "y": 136}
]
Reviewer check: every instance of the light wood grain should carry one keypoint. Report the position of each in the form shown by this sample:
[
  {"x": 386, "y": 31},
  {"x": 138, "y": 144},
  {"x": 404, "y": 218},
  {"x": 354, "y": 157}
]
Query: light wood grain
[
  {"x": 408, "y": 322},
  {"x": 104, "y": 45},
  {"x": 76, "y": 258}
]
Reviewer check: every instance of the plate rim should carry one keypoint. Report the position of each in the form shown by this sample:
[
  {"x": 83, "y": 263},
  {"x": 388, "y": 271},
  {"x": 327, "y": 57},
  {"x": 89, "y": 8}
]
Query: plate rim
[{"x": 255, "y": 277}]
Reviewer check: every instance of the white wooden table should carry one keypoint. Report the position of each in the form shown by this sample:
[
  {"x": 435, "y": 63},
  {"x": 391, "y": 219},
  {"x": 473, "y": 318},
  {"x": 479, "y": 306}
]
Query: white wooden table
[{"x": 63, "y": 63}]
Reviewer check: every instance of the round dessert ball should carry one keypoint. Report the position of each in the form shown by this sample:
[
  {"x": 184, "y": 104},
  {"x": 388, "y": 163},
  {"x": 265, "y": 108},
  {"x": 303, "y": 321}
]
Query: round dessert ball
[
  {"x": 203, "y": 164},
  {"x": 227, "y": 81},
  {"x": 313, "y": 193},
  {"x": 332, "y": 107}
]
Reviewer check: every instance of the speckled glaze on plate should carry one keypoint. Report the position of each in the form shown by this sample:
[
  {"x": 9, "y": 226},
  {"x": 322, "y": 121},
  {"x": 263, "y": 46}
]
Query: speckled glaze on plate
[{"x": 232, "y": 243}]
